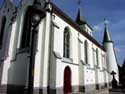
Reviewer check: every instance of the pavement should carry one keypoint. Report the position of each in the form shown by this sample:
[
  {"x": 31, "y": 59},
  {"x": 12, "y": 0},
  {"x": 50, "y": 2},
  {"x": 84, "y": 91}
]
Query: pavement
[{"x": 117, "y": 93}]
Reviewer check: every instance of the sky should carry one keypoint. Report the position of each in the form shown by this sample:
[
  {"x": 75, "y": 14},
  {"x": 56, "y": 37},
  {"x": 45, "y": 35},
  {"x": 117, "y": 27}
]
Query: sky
[{"x": 94, "y": 12}]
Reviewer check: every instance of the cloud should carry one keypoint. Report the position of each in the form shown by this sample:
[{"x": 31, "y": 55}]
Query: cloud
[
  {"x": 100, "y": 26},
  {"x": 106, "y": 21},
  {"x": 116, "y": 30},
  {"x": 119, "y": 48},
  {"x": 97, "y": 28}
]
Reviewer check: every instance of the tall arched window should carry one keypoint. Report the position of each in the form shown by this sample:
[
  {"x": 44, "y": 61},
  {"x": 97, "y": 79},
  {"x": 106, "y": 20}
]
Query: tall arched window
[
  {"x": 2, "y": 27},
  {"x": 26, "y": 33},
  {"x": 97, "y": 59},
  {"x": 86, "y": 51},
  {"x": 66, "y": 48}
]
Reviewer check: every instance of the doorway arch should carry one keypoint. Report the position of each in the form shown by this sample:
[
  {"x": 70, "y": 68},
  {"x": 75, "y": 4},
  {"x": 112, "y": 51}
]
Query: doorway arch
[{"x": 67, "y": 80}]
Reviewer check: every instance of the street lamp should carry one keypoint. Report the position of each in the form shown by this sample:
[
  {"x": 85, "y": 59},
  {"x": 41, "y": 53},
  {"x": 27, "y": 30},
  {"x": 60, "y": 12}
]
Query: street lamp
[{"x": 36, "y": 13}]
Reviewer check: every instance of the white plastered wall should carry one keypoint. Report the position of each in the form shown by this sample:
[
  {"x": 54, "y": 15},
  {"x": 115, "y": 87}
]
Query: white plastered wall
[{"x": 88, "y": 72}]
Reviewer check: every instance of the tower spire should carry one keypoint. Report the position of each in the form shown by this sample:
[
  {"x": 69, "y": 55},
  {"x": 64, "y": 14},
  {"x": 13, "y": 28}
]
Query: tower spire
[
  {"x": 107, "y": 37},
  {"x": 110, "y": 54},
  {"x": 79, "y": 19}
]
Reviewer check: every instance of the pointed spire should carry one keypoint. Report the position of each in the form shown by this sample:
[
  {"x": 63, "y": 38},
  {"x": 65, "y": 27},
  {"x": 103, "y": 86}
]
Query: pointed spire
[
  {"x": 107, "y": 37},
  {"x": 79, "y": 19}
]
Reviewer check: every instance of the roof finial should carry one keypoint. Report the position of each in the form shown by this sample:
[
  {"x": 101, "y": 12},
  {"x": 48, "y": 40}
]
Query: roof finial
[
  {"x": 107, "y": 37},
  {"x": 79, "y": 3},
  {"x": 105, "y": 22},
  {"x": 79, "y": 19}
]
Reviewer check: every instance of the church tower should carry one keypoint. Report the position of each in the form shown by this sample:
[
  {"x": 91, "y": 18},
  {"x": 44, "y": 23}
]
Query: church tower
[
  {"x": 111, "y": 58},
  {"x": 81, "y": 21}
]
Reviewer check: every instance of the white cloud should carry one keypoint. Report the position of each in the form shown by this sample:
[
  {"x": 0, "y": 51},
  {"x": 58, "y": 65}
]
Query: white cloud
[
  {"x": 100, "y": 26},
  {"x": 106, "y": 21},
  {"x": 120, "y": 48},
  {"x": 117, "y": 49},
  {"x": 118, "y": 29},
  {"x": 117, "y": 32},
  {"x": 97, "y": 28}
]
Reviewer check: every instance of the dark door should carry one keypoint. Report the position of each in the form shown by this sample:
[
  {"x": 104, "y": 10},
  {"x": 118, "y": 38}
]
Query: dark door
[{"x": 67, "y": 80}]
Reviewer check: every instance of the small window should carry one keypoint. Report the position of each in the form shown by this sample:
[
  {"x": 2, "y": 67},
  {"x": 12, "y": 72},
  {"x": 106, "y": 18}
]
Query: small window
[
  {"x": 26, "y": 33},
  {"x": 86, "y": 51},
  {"x": 3, "y": 22},
  {"x": 66, "y": 48}
]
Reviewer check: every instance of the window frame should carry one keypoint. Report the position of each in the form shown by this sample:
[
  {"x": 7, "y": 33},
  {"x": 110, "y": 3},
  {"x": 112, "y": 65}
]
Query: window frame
[
  {"x": 66, "y": 43},
  {"x": 26, "y": 32}
]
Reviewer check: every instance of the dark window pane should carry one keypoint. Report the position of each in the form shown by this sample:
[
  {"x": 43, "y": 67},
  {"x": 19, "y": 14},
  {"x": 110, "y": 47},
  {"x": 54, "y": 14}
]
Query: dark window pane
[
  {"x": 26, "y": 34},
  {"x": 66, "y": 49},
  {"x": 86, "y": 52}
]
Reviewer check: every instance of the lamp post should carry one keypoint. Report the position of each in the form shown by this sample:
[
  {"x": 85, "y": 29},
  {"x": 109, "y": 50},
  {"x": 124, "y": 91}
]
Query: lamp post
[{"x": 36, "y": 13}]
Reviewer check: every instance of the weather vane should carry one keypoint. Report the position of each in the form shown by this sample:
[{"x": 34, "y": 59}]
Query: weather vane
[{"x": 105, "y": 22}]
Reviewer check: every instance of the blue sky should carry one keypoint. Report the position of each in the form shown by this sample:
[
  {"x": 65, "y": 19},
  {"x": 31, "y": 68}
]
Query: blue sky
[{"x": 94, "y": 12}]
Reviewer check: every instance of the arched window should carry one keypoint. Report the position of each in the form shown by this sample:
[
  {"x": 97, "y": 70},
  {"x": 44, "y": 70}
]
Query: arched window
[
  {"x": 97, "y": 59},
  {"x": 66, "y": 48},
  {"x": 26, "y": 33},
  {"x": 86, "y": 51},
  {"x": 2, "y": 27}
]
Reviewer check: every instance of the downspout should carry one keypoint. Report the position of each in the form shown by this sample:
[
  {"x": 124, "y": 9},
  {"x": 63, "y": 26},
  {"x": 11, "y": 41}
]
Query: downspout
[{"x": 49, "y": 9}]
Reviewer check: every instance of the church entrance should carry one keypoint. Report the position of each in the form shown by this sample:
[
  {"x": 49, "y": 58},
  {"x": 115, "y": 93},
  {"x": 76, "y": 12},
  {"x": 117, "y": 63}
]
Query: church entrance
[{"x": 67, "y": 80}]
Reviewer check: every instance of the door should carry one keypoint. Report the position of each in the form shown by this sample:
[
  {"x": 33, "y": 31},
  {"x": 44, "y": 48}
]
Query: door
[{"x": 67, "y": 80}]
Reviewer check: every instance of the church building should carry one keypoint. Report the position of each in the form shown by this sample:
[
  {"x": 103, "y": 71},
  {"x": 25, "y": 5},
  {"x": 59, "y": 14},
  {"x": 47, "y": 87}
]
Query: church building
[{"x": 44, "y": 51}]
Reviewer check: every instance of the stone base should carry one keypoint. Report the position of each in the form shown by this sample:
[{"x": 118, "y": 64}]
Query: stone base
[
  {"x": 15, "y": 89},
  {"x": 59, "y": 90}
]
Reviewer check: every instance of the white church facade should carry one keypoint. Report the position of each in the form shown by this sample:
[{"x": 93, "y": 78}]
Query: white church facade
[{"x": 54, "y": 56}]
